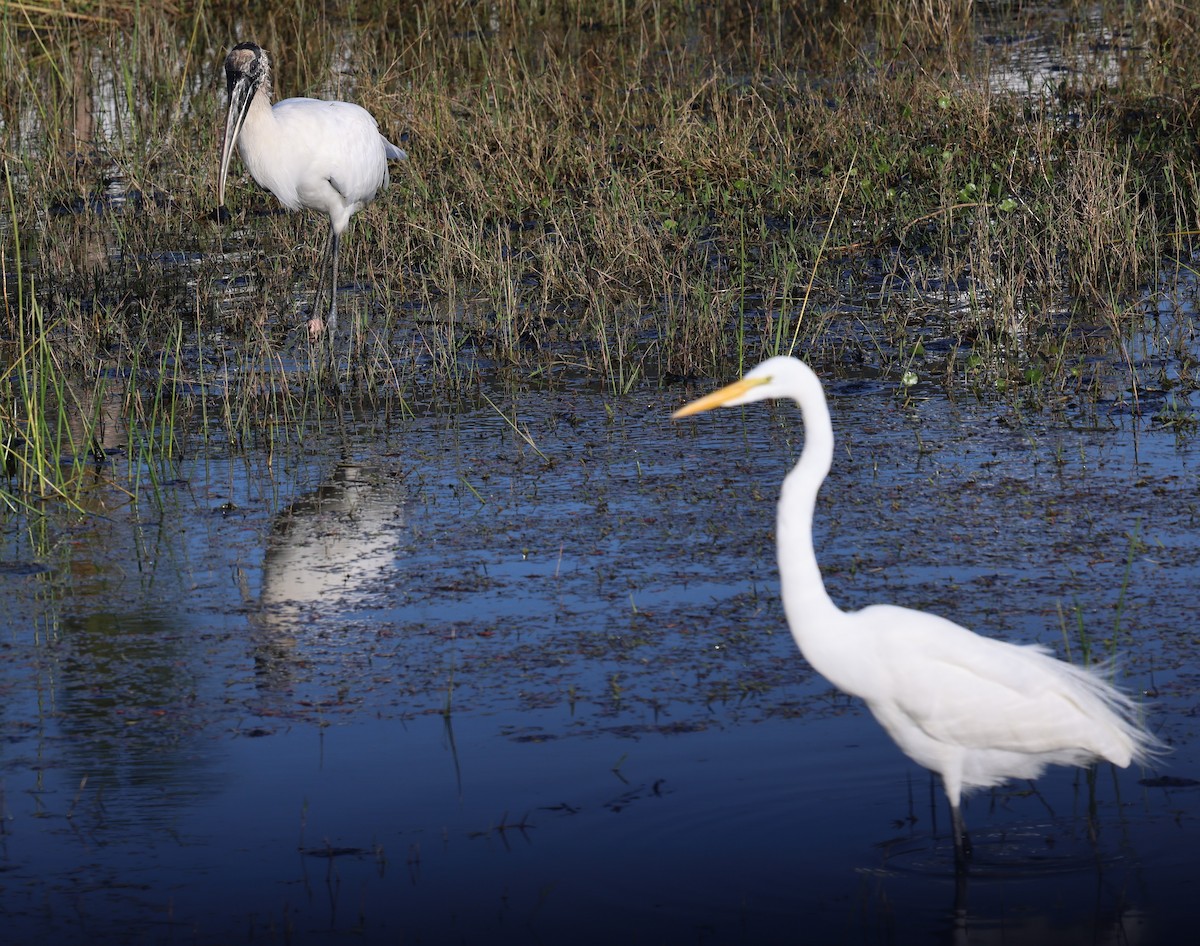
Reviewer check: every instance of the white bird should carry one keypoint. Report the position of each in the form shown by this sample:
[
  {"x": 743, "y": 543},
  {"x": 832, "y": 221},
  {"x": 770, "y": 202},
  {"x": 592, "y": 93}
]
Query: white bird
[
  {"x": 311, "y": 154},
  {"x": 975, "y": 710}
]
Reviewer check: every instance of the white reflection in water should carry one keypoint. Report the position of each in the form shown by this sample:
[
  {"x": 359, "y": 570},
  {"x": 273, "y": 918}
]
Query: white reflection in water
[
  {"x": 328, "y": 551},
  {"x": 333, "y": 542}
]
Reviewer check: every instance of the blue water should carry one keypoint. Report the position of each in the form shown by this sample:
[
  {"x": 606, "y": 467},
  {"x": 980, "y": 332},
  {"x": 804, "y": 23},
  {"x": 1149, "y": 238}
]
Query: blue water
[{"x": 414, "y": 681}]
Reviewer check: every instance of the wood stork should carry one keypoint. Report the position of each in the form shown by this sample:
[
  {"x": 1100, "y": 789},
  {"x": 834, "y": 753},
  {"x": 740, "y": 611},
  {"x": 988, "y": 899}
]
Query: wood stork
[{"x": 311, "y": 154}]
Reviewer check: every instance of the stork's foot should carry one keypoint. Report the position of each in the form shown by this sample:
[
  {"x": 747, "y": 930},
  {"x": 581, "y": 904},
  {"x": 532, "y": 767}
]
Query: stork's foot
[{"x": 316, "y": 329}]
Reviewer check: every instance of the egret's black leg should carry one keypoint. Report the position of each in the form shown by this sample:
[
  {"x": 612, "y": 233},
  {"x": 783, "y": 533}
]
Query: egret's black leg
[{"x": 962, "y": 841}]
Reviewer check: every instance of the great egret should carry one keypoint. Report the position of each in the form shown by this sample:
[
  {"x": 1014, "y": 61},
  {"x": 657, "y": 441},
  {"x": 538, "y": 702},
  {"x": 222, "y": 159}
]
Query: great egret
[
  {"x": 311, "y": 154},
  {"x": 975, "y": 710}
]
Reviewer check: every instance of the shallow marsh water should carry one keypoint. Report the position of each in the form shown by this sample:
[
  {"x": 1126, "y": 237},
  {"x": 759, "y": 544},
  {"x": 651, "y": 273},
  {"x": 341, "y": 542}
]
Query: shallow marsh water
[{"x": 416, "y": 680}]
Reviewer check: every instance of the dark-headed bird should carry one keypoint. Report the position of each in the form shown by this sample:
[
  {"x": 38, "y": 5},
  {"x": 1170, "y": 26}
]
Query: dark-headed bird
[{"x": 311, "y": 154}]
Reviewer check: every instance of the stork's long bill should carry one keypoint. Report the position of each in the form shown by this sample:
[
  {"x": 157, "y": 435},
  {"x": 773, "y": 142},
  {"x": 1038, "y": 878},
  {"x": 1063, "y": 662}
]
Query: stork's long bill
[{"x": 243, "y": 77}]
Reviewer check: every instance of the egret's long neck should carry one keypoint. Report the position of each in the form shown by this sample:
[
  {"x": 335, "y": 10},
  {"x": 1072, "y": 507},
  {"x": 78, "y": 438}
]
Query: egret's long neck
[{"x": 805, "y": 600}]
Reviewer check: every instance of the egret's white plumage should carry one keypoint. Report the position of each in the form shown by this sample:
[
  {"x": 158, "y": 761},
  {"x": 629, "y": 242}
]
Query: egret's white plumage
[
  {"x": 975, "y": 710},
  {"x": 311, "y": 154}
]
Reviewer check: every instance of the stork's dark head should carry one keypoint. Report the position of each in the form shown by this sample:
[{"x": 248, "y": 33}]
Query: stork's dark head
[
  {"x": 247, "y": 74},
  {"x": 246, "y": 62}
]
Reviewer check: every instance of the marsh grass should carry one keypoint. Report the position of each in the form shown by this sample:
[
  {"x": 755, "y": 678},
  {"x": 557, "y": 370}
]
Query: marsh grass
[{"x": 643, "y": 191}]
